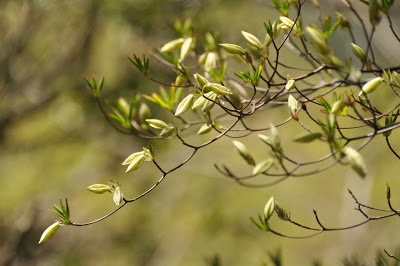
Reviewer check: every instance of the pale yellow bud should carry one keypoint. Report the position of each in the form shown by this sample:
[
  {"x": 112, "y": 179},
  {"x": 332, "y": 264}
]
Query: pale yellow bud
[
  {"x": 172, "y": 45},
  {"x": 204, "y": 129},
  {"x": 269, "y": 209},
  {"x": 99, "y": 188},
  {"x": 233, "y": 48},
  {"x": 355, "y": 160},
  {"x": 370, "y": 86},
  {"x": 49, "y": 232},
  {"x": 252, "y": 40},
  {"x": 184, "y": 105}
]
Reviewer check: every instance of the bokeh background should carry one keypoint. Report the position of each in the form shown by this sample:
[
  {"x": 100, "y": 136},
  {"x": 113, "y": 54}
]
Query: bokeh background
[{"x": 54, "y": 142}]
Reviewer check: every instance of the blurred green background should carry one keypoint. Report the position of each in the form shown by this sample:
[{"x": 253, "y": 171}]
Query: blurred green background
[{"x": 54, "y": 142}]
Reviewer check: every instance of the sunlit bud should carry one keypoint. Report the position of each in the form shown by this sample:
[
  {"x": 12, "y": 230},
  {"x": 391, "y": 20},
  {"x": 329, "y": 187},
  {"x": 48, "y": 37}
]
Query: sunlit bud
[
  {"x": 291, "y": 84},
  {"x": 293, "y": 105},
  {"x": 209, "y": 104},
  {"x": 233, "y": 48},
  {"x": 118, "y": 196},
  {"x": 355, "y": 160},
  {"x": 337, "y": 106},
  {"x": 172, "y": 45},
  {"x": 252, "y": 40},
  {"x": 358, "y": 52},
  {"x": 275, "y": 139},
  {"x": 318, "y": 40},
  {"x": 156, "y": 123},
  {"x": 204, "y": 129},
  {"x": 210, "y": 62},
  {"x": 134, "y": 163},
  {"x": 199, "y": 103},
  {"x": 49, "y": 232},
  {"x": 286, "y": 21},
  {"x": 184, "y": 105},
  {"x": 263, "y": 166},
  {"x": 370, "y": 86},
  {"x": 132, "y": 156},
  {"x": 269, "y": 209},
  {"x": 186, "y": 45},
  {"x": 166, "y": 132},
  {"x": 99, "y": 188},
  {"x": 241, "y": 148},
  {"x": 202, "y": 81},
  {"x": 218, "y": 89}
]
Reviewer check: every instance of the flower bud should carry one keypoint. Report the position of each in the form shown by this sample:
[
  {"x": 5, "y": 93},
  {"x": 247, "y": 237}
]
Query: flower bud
[
  {"x": 291, "y": 84},
  {"x": 355, "y": 160},
  {"x": 286, "y": 21},
  {"x": 268, "y": 40},
  {"x": 263, "y": 166},
  {"x": 99, "y": 188},
  {"x": 172, "y": 45},
  {"x": 318, "y": 40},
  {"x": 269, "y": 209},
  {"x": 370, "y": 86},
  {"x": 204, "y": 129},
  {"x": 179, "y": 81},
  {"x": 396, "y": 78},
  {"x": 218, "y": 89},
  {"x": 134, "y": 161},
  {"x": 241, "y": 148},
  {"x": 281, "y": 212},
  {"x": 344, "y": 23},
  {"x": 358, "y": 52},
  {"x": 252, "y": 40},
  {"x": 338, "y": 106},
  {"x": 202, "y": 81},
  {"x": 118, "y": 196},
  {"x": 293, "y": 105},
  {"x": 166, "y": 132},
  {"x": 233, "y": 48},
  {"x": 374, "y": 12},
  {"x": 49, "y": 232},
  {"x": 184, "y": 105},
  {"x": 186, "y": 45},
  {"x": 144, "y": 112},
  {"x": 132, "y": 156},
  {"x": 336, "y": 62},
  {"x": 156, "y": 123},
  {"x": 211, "y": 62},
  {"x": 209, "y": 104},
  {"x": 199, "y": 103}
]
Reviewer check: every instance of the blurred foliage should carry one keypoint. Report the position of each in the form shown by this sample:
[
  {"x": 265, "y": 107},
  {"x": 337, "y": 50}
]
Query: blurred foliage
[{"x": 54, "y": 141}]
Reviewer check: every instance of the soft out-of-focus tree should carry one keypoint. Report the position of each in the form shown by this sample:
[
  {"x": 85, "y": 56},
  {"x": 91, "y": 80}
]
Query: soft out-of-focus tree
[{"x": 42, "y": 74}]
